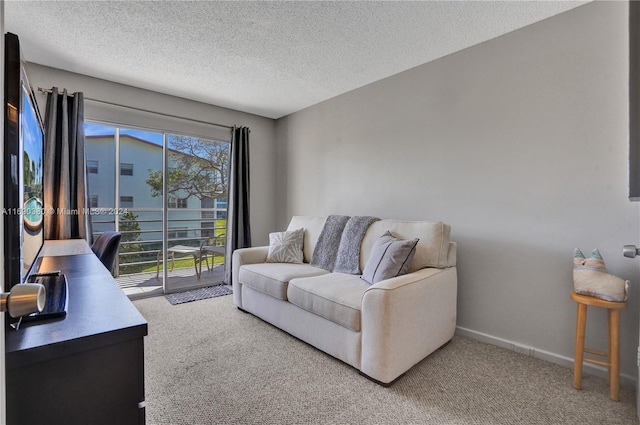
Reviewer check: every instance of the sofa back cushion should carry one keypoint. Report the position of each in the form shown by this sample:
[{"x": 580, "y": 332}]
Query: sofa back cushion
[
  {"x": 431, "y": 251},
  {"x": 312, "y": 228}
]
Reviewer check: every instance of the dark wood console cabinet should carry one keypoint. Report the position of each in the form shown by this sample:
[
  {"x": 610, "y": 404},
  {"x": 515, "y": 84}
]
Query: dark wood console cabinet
[{"x": 86, "y": 368}]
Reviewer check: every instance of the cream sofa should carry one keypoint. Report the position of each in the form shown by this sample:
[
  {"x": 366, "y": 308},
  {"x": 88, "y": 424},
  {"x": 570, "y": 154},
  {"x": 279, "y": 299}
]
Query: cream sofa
[{"x": 382, "y": 329}]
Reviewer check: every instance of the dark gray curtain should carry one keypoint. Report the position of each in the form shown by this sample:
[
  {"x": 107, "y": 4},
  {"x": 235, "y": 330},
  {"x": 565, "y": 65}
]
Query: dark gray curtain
[
  {"x": 65, "y": 175},
  {"x": 238, "y": 228}
]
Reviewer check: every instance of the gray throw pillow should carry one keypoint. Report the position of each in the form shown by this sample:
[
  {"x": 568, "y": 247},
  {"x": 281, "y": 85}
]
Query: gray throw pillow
[
  {"x": 390, "y": 257},
  {"x": 286, "y": 247}
]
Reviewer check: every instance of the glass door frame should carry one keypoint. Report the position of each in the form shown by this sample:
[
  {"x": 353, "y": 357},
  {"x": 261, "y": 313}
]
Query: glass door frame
[{"x": 166, "y": 285}]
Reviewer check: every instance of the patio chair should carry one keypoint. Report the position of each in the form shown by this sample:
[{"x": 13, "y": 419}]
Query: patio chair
[
  {"x": 213, "y": 249},
  {"x": 195, "y": 251}
]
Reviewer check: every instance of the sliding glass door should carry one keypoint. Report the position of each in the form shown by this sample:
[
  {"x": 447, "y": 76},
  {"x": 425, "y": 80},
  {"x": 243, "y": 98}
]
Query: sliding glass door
[
  {"x": 195, "y": 186},
  {"x": 166, "y": 193}
]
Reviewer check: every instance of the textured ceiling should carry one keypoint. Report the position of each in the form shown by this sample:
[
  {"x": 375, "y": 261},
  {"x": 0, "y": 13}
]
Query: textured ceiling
[{"x": 266, "y": 58}]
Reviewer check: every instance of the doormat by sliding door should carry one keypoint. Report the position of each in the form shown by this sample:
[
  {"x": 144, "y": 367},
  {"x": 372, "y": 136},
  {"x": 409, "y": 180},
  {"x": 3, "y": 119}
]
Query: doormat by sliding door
[{"x": 198, "y": 294}]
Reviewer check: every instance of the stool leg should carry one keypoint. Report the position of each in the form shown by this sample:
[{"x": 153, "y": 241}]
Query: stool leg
[
  {"x": 610, "y": 350},
  {"x": 614, "y": 353},
  {"x": 581, "y": 322}
]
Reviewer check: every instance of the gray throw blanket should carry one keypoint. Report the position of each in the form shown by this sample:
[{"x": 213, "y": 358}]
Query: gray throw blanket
[
  {"x": 348, "y": 258},
  {"x": 324, "y": 254}
]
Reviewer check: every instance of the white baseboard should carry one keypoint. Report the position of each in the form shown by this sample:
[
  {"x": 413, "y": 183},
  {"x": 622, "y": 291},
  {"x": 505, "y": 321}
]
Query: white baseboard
[{"x": 567, "y": 362}]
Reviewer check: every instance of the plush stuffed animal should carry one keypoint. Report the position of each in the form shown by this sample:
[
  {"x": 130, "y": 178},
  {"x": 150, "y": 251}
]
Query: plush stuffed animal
[{"x": 590, "y": 277}]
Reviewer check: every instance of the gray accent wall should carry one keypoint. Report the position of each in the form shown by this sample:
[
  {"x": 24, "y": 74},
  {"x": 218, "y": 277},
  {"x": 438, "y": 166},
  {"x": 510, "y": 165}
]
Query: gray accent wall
[{"x": 520, "y": 143}]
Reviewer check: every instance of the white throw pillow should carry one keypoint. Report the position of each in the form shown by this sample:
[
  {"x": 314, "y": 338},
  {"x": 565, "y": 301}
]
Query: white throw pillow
[{"x": 286, "y": 247}]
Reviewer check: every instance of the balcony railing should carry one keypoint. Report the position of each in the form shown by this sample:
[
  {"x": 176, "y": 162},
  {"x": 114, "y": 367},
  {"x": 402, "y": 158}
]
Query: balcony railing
[{"x": 142, "y": 235}]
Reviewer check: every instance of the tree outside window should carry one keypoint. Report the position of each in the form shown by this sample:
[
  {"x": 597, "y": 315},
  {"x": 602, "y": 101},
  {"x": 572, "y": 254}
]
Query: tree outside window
[{"x": 197, "y": 167}]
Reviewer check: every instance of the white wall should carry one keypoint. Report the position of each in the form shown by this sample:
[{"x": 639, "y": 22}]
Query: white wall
[
  {"x": 520, "y": 143},
  {"x": 262, "y": 138}
]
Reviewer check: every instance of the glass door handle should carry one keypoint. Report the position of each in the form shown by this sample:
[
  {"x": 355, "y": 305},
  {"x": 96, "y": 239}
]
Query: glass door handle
[{"x": 630, "y": 251}]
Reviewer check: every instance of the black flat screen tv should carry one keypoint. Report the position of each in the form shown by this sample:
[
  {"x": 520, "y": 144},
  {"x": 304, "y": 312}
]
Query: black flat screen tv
[{"x": 23, "y": 157}]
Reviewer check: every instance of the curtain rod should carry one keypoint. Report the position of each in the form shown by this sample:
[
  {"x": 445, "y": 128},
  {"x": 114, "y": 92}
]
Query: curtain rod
[{"x": 40, "y": 89}]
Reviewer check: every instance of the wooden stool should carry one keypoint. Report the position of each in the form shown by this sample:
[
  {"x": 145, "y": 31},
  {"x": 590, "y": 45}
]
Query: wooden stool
[{"x": 613, "y": 356}]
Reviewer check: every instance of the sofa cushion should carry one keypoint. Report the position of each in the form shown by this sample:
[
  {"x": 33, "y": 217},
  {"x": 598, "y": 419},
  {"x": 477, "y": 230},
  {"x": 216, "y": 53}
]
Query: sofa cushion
[
  {"x": 285, "y": 247},
  {"x": 273, "y": 278},
  {"x": 390, "y": 257},
  {"x": 312, "y": 228},
  {"x": 431, "y": 250},
  {"x": 335, "y": 296}
]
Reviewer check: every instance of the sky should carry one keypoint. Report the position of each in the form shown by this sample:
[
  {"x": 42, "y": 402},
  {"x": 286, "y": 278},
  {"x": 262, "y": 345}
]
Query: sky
[
  {"x": 32, "y": 137},
  {"x": 95, "y": 129}
]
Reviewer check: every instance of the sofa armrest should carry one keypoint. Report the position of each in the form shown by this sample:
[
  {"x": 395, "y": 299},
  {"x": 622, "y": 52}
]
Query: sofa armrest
[
  {"x": 253, "y": 255},
  {"x": 405, "y": 319}
]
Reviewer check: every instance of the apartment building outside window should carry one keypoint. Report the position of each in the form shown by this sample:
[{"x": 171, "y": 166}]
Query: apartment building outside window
[
  {"x": 160, "y": 205},
  {"x": 92, "y": 166},
  {"x": 126, "y": 169},
  {"x": 126, "y": 201},
  {"x": 178, "y": 233},
  {"x": 177, "y": 203}
]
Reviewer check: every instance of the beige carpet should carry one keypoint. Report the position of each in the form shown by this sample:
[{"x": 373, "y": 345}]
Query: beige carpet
[{"x": 209, "y": 363}]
